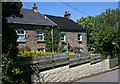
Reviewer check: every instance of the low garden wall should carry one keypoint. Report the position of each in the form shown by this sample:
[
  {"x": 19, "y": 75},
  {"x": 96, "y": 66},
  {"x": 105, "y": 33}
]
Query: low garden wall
[
  {"x": 63, "y": 68},
  {"x": 67, "y": 74},
  {"x": 113, "y": 62}
]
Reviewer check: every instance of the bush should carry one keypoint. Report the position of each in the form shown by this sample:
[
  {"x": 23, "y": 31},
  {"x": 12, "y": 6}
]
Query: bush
[
  {"x": 34, "y": 53},
  {"x": 24, "y": 48},
  {"x": 10, "y": 73},
  {"x": 9, "y": 44},
  {"x": 73, "y": 49},
  {"x": 60, "y": 49},
  {"x": 71, "y": 54}
]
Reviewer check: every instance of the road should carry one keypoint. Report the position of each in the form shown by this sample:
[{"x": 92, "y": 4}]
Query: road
[{"x": 111, "y": 76}]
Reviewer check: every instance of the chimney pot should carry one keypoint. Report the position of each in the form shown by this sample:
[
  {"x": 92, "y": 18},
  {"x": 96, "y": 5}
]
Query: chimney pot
[
  {"x": 35, "y": 8},
  {"x": 67, "y": 14}
]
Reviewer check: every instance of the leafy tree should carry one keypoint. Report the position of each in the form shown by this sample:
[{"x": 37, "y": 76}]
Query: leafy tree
[
  {"x": 88, "y": 23},
  {"x": 106, "y": 33},
  {"x": 11, "y": 9},
  {"x": 104, "y": 41},
  {"x": 9, "y": 38},
  {"x": 9, "y": 45},
  {"x": 103, "y": 32}
]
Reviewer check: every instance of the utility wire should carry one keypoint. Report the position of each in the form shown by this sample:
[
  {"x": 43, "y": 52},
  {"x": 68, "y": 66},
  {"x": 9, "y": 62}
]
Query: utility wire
[{"x": 74, "y": 8}]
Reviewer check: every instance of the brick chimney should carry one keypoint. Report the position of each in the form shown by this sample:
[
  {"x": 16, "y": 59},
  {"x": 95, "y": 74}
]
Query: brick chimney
[
  {"x": 35, "y": 8},
  {"x": 67, "y": 14}
]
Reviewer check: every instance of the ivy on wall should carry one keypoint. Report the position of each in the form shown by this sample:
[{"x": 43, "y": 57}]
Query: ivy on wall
[
  {"x": 48, "y": 39},
  {"x": 56, "y": 39},
  {"x": 48, "y": 32}
]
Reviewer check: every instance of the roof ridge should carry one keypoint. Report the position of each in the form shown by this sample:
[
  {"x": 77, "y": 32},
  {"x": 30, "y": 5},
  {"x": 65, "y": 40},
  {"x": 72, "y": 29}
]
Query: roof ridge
[
  {"x": 50, "y": 20},
  {"x": 59, "y": 17},
  {"x": 39, "y": 18},
  {"x": 54, "y": 16}
]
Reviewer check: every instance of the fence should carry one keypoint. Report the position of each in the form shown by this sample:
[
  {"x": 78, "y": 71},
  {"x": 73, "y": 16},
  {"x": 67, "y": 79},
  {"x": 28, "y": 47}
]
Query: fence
[{"x": 57, "y": 60}]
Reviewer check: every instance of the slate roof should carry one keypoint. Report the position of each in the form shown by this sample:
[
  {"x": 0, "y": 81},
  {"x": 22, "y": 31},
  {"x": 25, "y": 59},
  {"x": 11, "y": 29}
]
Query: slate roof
[
  {"x": 66, "y": 24},
  {"x": 31, "y": 17}
]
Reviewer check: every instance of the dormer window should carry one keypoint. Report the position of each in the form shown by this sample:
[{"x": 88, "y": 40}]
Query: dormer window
[
  {"x": 21, "y": 35},
  {"x": 40, "y": 35}
]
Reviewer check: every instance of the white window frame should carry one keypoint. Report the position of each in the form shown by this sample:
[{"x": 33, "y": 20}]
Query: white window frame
[
  {"x": 64, "y": 38},
  {"x": 19, "y": 40},
  {"x": 80, "y": 37},
  {"x": 40, "y": 34}
]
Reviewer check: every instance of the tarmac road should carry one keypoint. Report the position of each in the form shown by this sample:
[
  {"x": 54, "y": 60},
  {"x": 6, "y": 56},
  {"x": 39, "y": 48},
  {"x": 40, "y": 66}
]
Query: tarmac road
[{"x": 111, "y": 76}]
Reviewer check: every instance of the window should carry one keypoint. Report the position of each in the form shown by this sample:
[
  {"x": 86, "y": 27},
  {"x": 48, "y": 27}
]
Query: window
[
  {"x": 79, "y": 37},
  {"x": 40, "y": 35},
  {"x": 21, "y": 35},
  {"x": 63, "y": 38},
  {"x": 41, "y": 49}
]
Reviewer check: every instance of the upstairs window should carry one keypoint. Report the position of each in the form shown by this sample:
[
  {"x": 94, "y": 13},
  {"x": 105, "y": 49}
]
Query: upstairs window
[
  {"x": 21, "y": 35},
  {"x": 79, "y": 37},
  {"x": 40, "y": 35}
]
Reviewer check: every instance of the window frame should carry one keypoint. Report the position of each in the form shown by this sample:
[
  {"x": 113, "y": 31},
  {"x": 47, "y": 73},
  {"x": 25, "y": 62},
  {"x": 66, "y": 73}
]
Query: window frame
[
  {"x": 19, "y": 40},
  {"x": 38, "y": 40},
  {"x": 63, "y": 39},
  {"x": 80, "y": 37}
]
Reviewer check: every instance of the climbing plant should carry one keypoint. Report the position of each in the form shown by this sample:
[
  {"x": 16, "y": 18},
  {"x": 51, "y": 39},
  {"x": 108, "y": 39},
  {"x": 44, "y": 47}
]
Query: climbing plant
[
  {"x": 51, "y": 44},
  {"x": 56, "y": 39},
  {"x": 48, "y": 39}
]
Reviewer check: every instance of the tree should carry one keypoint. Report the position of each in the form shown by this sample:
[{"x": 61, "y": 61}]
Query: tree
[
  {"x": 88, "y": 23},
  {"x": 11, "y": 9},
  {"x": 9, "y": 45},
  {"x": 104, "y": 41},
  {"x": 103, "y": 32},
  {"x": 9, "y": 38},
  {"x": 106, "y": 33}
]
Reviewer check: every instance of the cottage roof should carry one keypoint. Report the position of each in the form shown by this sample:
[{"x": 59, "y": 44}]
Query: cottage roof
[
  {"x": 31, "y": 17},
  {"x": 66, "y": 24}
]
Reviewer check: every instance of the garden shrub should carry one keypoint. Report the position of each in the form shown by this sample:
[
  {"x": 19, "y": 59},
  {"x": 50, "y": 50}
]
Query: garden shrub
[
  {"x": 10, "y": 74},
  {"x": 34, "y": 53},
  {"x": 24, "y": 48},
  {"x": 73, "y": 49},
  {"x": 61, "y": 47},
  {"x": 71, "y": 54}
]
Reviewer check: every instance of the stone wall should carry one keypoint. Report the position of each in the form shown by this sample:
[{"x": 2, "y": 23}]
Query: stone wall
[
  {"x": 31, "y": 41},
  {"x": 66, "y": 74},
  {"x": 84, "y": 42},
  {"x": 31, "y": 38},
  {"x": 113, "y": 62},
  {"x": 72, "y": 39}
]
